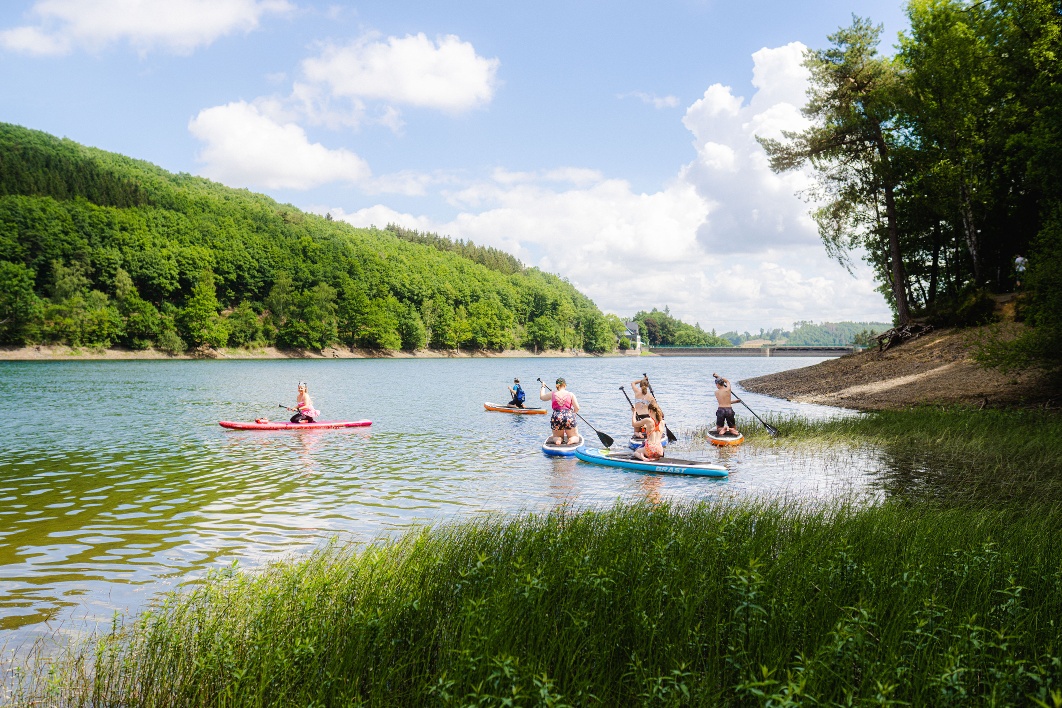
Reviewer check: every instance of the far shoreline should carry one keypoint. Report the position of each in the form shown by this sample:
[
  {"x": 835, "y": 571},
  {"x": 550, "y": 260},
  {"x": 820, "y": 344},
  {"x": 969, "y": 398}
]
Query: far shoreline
[{"x": 66, "y": 353}]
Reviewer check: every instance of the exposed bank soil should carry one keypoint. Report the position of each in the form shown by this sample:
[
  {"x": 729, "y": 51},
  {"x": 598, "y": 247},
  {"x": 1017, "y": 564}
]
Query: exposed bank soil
[
  {"x": 935, "y": 369},
  {"x": 65, "y": 353}
]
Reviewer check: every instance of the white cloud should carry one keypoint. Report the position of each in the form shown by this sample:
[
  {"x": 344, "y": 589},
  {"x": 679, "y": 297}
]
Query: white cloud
[
  {"x": 652, "y": 99},
  {"x": 246, "y": 147},
  {"x": 262, "y": 144},
  {"x": 446, "y": 75},
  {"x": 754, "y": 208},
  {"x": 726, "y": 243},
  {"x": 175, "y": 25}
]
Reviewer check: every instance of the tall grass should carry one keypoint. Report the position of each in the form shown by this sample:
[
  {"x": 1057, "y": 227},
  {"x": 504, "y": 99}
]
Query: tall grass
[
  {"x": 949, "y": 455},
  {"x": 753, "y": 604}
]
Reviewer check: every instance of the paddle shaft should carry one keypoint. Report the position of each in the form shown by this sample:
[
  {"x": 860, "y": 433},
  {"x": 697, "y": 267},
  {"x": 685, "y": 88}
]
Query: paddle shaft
[
  {"x": 671, "y": 437},
  {"x": 606, "y": 440}
]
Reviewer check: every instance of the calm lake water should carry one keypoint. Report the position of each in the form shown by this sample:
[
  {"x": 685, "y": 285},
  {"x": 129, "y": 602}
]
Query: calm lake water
[{"x": 116, "y": 482}]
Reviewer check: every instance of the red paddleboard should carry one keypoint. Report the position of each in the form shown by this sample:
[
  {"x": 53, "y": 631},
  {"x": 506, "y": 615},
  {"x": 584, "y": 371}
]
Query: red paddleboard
[{"x": 278, "y": 425}]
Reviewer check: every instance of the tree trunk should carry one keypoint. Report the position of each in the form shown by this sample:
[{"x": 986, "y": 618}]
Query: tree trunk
[
  {"x": 931, "y": 298},
  {"x": 899, "y": 279},
  {"x": 969, "y": 229}
]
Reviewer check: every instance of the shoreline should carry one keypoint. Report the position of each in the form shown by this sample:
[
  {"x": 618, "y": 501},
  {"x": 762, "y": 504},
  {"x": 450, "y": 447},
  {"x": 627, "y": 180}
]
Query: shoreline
[
  {"x": 66, "y": 353},
  {"x": 937, "y": 368}
]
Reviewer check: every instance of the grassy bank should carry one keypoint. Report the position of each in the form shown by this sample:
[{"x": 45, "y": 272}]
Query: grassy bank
[
  {"x": 738, "y": 605},
  {"x": 955, "y": 454}
]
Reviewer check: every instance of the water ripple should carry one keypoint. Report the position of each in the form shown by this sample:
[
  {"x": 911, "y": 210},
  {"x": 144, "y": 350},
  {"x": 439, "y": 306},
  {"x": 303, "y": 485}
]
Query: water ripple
[{"x": 104, "y": 506}]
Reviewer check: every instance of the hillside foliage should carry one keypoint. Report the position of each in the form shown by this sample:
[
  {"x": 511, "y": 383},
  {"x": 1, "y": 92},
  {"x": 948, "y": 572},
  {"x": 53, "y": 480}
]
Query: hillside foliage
[{"x": 97, "y": 249}]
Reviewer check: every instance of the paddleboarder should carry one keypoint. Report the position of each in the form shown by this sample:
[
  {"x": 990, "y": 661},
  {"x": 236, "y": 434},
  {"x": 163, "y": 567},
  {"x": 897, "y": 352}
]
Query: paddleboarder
[
  {"x": 642, "y": 398},
  {"x": 724, "y": 414},
  {"x": 304, "y": 410},
  {"x": 653, "y": 429},
  {"x": 518, "y": 394},
  {"x": 562, "y": 421}
]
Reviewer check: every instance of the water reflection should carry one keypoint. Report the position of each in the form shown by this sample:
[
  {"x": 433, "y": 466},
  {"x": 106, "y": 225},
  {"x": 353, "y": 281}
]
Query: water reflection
[{"x": 100, "y": 510}]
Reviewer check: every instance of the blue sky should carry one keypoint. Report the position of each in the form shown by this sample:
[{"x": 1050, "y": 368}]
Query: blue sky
[{"x": 610, "y": 142}]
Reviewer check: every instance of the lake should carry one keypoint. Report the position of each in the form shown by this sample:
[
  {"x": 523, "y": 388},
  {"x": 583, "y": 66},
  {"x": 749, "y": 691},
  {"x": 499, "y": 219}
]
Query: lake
[{"x": 116, "y": 482}]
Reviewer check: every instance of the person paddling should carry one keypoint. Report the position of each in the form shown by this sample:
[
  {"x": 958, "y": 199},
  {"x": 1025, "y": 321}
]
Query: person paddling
[
  {"x": 642, "y": 398},
  {"x": 562, "y": 421},
  {"x": 304, "y": 410},
  {"x": 652, "y": 427},
  {"x": 518, "y": 394},
  {"x": 724, "y": 415}
]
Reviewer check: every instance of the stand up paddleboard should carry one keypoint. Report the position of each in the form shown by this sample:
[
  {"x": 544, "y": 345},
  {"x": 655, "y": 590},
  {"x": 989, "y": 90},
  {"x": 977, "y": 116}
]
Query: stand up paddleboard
[
  {"x": 665, "y": 465},
  {"x": 560, "y": 450},
  {"x": 724, "y": 439},
  {"x": 513, "y": 409},
  {"x": 278, "y": 425},
  {"x": 635, "y": 442}
]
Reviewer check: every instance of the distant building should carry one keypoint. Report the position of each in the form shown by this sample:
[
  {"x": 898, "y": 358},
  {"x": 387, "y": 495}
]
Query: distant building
[{"x": 634, "y": 334}]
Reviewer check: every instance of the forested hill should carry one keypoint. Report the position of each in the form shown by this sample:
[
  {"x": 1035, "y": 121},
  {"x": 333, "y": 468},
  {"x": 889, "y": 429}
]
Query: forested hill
[{"x": 98, "y": 249}]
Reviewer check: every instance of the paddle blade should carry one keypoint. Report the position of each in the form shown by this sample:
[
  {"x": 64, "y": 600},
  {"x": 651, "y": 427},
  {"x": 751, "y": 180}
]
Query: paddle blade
[
  {"x": 605, "y": 439},
  {"x": 771, "y": 430},
  {"x": 671, "y": 437}
]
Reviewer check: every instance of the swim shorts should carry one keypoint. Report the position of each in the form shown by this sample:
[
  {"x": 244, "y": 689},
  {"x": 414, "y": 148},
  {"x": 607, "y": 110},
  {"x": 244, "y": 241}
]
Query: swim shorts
[
  {"x": 562, "y": 420},
  {"x": 725, "y": 416}
]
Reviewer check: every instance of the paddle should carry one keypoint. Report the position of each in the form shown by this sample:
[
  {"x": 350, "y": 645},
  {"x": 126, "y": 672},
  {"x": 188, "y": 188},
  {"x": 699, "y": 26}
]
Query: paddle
[
  {"x": 671, "y": 437},
  {"x": 771, "y": 430},
  {"x": 623, "y": 389},
  {"x": 606, "y": 440}
]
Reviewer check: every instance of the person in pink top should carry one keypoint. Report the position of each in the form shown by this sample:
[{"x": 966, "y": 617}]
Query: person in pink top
[
  {"x": 562, "y": 421},
  {"x": 304, "y": 410}
]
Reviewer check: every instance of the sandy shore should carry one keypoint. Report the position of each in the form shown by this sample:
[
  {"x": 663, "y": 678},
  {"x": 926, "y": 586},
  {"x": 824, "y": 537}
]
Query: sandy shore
[
  {"x": 64, "y": 353},
  {"x": 935, "y": 369}
]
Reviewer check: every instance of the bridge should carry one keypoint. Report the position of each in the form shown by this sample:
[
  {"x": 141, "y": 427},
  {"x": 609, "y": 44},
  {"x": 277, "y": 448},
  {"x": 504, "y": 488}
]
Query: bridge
[{"x": 753, "y": 351}]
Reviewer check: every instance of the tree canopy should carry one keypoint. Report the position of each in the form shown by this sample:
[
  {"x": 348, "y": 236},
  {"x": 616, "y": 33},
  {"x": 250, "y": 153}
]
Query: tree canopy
[{"x": 943, "y": 162}]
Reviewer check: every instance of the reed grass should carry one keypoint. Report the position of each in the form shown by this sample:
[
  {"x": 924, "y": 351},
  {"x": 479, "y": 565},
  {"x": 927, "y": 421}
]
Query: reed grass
[
  {"x": 746, "y": 604},
  {"x": 951, "y": 455}
]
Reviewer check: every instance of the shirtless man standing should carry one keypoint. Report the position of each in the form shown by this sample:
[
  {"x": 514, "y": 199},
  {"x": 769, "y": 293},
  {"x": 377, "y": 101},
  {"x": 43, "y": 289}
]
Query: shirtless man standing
[{"x": 724, "y": 415}]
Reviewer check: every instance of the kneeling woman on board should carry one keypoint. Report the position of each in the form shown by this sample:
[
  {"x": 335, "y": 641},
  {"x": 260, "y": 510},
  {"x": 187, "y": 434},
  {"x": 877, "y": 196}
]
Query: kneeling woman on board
[
  {"x": 565, "y": 406},
  {"x": 653, "y": 427},
  {"x": 304, "y": 410},
  {"x": 642, "y": 398}
]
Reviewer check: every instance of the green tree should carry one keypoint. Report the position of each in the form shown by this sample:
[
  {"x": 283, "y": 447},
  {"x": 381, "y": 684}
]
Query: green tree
[
  {"x": 541, "y": 334},
  {"x": 198, "y": 322},
  {"x": 245, "y": 327},
  {"x": 20, "y": 308},
  {"x": 948, "y": 66},
  {"x": 281, "y": 298},
  {"x": 142, "y": 320},
  {"x": 461, "y": 330},
  {"x": 311, "y": 319},
  {"x": 411, "y": 328},
  {"x": 490, "y": 325},
  {"x": 68, "y": 281},
  {"x": 852, "y": 104}
]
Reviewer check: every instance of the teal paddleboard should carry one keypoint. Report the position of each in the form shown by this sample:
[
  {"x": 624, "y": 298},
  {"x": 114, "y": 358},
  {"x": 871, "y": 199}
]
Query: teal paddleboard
[{"x": 625, "y": 459}]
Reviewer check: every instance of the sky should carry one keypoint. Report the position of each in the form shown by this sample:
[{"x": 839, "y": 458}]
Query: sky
[{"x": 612, "y": 143}]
